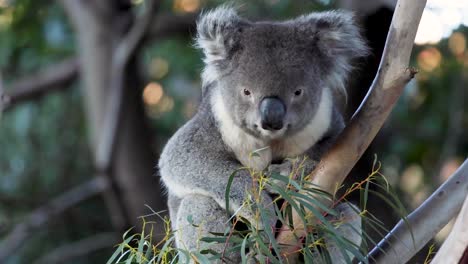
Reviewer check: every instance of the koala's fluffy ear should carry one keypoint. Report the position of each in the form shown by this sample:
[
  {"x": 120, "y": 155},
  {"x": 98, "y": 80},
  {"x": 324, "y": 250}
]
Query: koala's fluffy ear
[
  {"x": 218, "y": 31},
  {"x": 336, "y": 35}
]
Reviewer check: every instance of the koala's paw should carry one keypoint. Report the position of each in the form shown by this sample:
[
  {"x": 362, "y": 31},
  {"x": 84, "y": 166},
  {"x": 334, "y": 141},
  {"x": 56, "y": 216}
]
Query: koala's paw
[
  {"x": 284, "y": 169},
  {"x": 350, "y": 228},
  {"x": 266, "y": 219}
]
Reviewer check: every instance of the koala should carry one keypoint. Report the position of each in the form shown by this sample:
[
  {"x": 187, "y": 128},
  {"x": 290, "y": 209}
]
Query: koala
[{"x": 265, "y": 85}]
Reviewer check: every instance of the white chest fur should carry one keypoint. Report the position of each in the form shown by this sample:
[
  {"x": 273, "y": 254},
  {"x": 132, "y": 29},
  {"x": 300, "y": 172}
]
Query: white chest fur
[{"x": 243, "y": 144}]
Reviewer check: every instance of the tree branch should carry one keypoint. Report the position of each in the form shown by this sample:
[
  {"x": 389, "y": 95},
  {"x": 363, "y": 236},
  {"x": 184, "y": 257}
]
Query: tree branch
[
  {"x": 457, "y": 242},
  {"x": 107, "y": 49},
  {"x": 424, "y": 222},
  {"x": 83, "y": 247},
  {"x": 43, "y": 214},
  {"x": 123, "y": 53},
  {"x": 391, "y": 78},
  {"x": 53, "y": 78}
]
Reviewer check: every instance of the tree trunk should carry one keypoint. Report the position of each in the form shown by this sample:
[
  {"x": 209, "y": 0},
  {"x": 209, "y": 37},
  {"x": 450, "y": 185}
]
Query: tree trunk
[{"x": 100, "y": 25}]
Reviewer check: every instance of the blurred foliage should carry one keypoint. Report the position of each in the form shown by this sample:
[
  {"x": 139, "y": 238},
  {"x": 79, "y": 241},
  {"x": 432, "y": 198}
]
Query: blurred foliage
[
  {"x": 43, "y": 144},
  {"x": 426, "y": 134}
]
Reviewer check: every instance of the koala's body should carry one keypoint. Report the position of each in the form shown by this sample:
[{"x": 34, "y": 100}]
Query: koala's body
[{"x": 266, "y": 85}]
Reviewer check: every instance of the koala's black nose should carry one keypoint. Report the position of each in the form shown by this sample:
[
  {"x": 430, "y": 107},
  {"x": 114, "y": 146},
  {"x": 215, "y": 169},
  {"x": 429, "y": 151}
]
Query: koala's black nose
[{"x": 272, "y": 111}]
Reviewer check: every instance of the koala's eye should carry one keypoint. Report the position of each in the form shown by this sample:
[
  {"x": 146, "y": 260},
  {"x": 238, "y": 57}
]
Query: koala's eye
[
  {"x": 246, "y": 92},
  {"x": 298, "y": 92}
]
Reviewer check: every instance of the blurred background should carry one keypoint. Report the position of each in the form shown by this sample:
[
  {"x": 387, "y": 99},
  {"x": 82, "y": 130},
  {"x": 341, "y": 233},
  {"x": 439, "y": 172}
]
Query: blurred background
[{"x": 57, "y": 58}]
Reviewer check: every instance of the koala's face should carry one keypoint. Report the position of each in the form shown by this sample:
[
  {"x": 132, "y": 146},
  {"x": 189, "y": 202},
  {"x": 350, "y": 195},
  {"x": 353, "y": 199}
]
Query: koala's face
[
  {"x": 273, "y": 86},
  {"x": 271, "y": 75}
]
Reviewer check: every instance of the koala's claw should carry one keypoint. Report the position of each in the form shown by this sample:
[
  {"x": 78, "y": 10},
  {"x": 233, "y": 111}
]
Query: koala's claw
[
  {"x": 351, "y": 229},
  {"x": 284, "y": 169},
  {"x": 249, "y": 213}
]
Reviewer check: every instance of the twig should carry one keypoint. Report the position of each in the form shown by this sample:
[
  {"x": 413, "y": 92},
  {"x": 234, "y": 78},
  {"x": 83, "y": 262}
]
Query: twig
[
  {"x": 409, "y": 236},
  {"x": 65, "y": 253},
  {"x": 53, "y": 78},
  {"x": 43, "y": 214},
  {"x": 123, "y": 53},
  {"x": 391, "y": 78}
]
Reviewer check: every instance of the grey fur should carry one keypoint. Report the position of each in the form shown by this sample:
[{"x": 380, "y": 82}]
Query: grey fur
[{"x": 312, "y": 53}]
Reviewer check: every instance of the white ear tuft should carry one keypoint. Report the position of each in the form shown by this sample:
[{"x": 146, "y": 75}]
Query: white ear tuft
[{"x": 214, "y": 28}]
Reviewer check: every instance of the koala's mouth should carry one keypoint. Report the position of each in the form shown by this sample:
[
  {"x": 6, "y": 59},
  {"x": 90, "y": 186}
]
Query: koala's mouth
[{"x": 269, "y": 134}]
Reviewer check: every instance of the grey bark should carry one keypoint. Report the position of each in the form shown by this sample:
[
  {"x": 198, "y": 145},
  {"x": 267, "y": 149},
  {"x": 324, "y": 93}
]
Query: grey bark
[
  {"x": 100, "y": 29},
  {"x": 411, "y": 234}
]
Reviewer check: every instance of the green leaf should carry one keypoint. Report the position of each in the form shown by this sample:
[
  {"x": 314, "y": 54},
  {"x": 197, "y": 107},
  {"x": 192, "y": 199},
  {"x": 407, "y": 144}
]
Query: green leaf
[
  {"x": 202, "y": 259},
  {"x": 255, "y": 152},
  {"x": 166, "y": 248},
  {"x": 141, "y": 244},
  {"x": 243, "y": 247},
  {"x": 130, "y": 259},
  {"x": 228, "y": 190},
  {"x": 119, "y": 250},
  {"x": 312, "y": 200},
  {"x": 268, "y": 231},
  {"x": 289, "y": 199},
  {"x": 365, "y": 196},
  {"x": 115, "y": 254},
  {"x": 190, "y": 219},
  {"x": 264, "y": 249}
]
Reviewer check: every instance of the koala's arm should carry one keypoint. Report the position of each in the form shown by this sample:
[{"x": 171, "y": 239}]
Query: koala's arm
[{"x": 195, "y": 162}]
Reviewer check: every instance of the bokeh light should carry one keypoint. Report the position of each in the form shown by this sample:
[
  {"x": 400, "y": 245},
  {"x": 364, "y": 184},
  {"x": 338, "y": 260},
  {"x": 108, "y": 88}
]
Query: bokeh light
[
  {"x": 186, "y": 6},
  {"x": 448, "y": 168},
  {"x": 4, "y": 3},
  {"x": 6, "y": 16},
  {"x": 153, "y": 93},
  {"x": 412, "y": 178},
  {"x": 419, "y": 197},
  {"x": 457, "y": 43},
  {"x": 158, "y": 68},
  {"x": 137, "y": 2},
  {"x": 166, "y": 104},
  {"x": 156, "y": 101},
  {"x": 429, "y": 59}
]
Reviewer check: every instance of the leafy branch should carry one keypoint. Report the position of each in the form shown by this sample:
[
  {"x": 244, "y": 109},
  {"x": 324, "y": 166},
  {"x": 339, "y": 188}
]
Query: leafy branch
[{"x": 337, "y": 237}]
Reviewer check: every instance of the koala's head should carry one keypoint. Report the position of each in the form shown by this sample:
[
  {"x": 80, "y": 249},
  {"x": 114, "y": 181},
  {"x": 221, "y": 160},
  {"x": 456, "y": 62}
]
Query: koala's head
[{"x": 270, "y": 76}]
